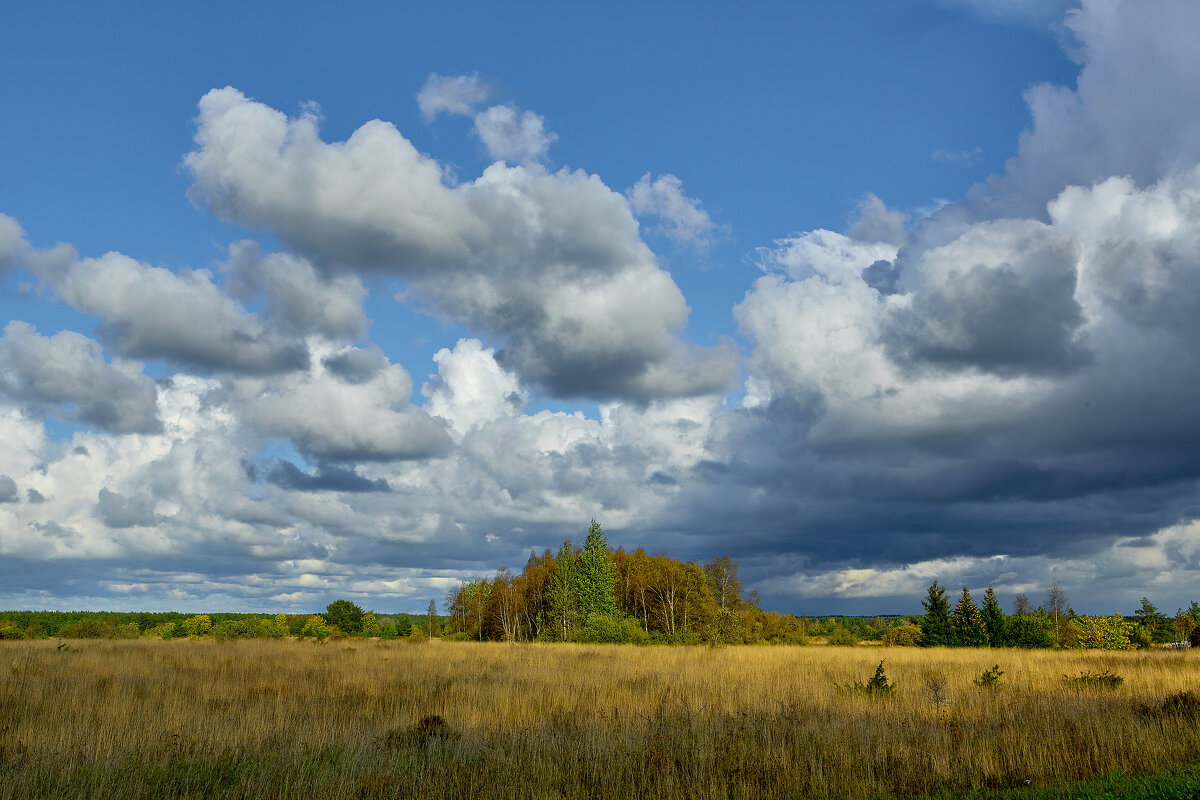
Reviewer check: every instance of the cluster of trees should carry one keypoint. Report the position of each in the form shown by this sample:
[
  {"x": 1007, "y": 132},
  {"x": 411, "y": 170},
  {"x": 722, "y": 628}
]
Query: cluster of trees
[
  {"x": 1052, "y": 624},
  {"x": 595, "y": 594},
  {"x": 341, "y": 618}
]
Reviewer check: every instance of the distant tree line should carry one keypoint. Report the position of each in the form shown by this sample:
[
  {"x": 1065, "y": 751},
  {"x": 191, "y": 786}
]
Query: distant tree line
[
  {"x": 1052, "y": 624},
  {"x": 342, "y": 618}
]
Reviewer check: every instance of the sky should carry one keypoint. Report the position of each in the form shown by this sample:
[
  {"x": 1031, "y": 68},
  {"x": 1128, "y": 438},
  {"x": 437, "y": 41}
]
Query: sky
[{"x": 334, "y": 302}]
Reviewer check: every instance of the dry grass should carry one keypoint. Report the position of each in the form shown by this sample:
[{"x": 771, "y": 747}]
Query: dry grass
[{"x": 285, "y": 719}]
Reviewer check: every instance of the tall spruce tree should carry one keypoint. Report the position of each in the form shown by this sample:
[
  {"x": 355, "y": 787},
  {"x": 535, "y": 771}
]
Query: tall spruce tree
[
  {"x": 597, "y": 575},
  {"x": 969, "y": 627},
  {"x": 936, "y": 628},
  {"x": 995, "y": 621}
]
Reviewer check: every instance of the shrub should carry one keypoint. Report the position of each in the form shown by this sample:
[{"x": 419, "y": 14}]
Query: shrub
[
  {"x": 232, "y": 629},
  {"x": 841, "y": 637},
  {"x": 907, "y": 635},
  {"x": 1181, "y": 705},
  {"x": 91, "y": 628},
  {"x": 606, "y": 629},
  {"x": 198, "y": 625},
  {"x": 877, "y": 686},
  {"x": 990, "y": 678},
  {"x": 127, "y": 630},
  {"x": 315, "y": 627},
  {"x": 1102, "y": 633},
  {"x": 1106, "y": 680}
]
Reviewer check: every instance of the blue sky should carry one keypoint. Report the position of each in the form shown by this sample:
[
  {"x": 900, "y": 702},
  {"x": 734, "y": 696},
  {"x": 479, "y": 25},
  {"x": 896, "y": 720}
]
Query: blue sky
[{"x": 863, "y": 294}]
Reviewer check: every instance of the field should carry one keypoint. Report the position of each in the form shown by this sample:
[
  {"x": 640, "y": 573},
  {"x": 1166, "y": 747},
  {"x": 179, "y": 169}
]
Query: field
[{"x": 370, "y": 719}]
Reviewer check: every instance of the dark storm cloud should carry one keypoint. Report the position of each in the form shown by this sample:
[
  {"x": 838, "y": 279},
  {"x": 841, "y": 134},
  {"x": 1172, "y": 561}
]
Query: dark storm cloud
[
  {"x": 1009, "y": 317},
  {"x": 8, "y": 490},
  {"x": 328, "y": 478}
]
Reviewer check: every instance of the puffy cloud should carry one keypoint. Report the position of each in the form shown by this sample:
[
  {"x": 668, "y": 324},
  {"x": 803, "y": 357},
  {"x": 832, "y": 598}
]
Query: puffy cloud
[
  {"x": 8, "y": 490},
  {"x": 299, "y": 300},
  {"x": 151, "y": 312},
  {"x": 472, "y": 388},
  {"x": 550, "y": 263},
  {"x": 875, "y": 222},
  {"x": 328, "y": 418},
  {"x": 683, "y": 220},
  {"x": 510, "y": 134},
  {"x": 457, "y": 94},
  {"x": 1110, "y": 124},
  {"x": 68, "y": 368}
]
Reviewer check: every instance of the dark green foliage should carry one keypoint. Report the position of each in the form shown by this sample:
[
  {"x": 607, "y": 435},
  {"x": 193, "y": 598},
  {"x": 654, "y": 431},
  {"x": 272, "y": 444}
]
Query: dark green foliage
[
  {"x": 1153, "y": 622},
  {"x": 994, "y": 621},
  {"x": 969, "y": 628},
  {"x": 345, "y": 616},
  {"x": 990, "y": 678},
  {"x": 877, "y": 686},
  {"x": 597, "y": 575},
  {"x": 1106, "y": 680},
  {"x": 936, "y": 626},
  {"x": 607, "y": 629},
  {"x": 1031, "y": 631}
]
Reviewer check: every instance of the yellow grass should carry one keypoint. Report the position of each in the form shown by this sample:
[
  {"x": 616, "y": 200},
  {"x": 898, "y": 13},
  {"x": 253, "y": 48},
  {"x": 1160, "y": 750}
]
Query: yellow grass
[{"x": 263, "y": 718}]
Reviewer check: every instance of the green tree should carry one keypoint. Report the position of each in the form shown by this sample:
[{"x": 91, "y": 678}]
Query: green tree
[
  {"x": 430, "y": 619},
  {"x": 994, "y": 620},
  {"x": 1031, "y": 630},
  {"x": 370, "y": 625},
  {"x": 1102, "y": 633},
  {"x": 969, "y": 627},
  {"x": 1153, "y": 621},
  {"x": 345, "y": 616},
  {"x": 562, "y": 593},
  {"x": 936, "y": 627},
  {"x": 597, "y": 575}
]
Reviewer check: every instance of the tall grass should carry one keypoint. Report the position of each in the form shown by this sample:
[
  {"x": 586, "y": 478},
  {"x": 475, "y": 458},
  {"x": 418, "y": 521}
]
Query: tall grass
[{"x": 288, "y": 719}]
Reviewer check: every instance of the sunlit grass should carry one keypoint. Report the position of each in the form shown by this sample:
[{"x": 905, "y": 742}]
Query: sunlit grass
[{"x": 262, "y": 718}]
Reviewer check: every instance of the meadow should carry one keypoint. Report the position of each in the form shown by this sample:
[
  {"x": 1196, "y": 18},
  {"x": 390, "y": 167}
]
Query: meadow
[{"x": 372, "y": 719}]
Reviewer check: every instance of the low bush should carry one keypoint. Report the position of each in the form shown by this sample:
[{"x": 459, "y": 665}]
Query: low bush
[
  {"x": 877, "y": 686},
  {"x": 841, "y": 637},
  {"x": 990, "y": 678},
  {"x": 605, "y": 629},
  {"x": 1106, "y": 680}
]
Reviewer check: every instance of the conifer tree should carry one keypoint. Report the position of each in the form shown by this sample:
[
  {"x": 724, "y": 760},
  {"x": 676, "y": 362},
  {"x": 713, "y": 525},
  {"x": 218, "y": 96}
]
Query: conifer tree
[
  {"x": 969, "y": 627},
  {"x": 994, "y": 620},
  {"x": 597, "y": 575},
  {"x": 935, "y": 625}
]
